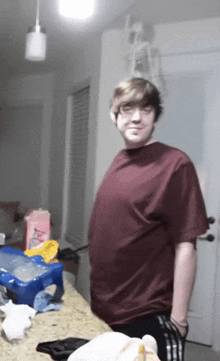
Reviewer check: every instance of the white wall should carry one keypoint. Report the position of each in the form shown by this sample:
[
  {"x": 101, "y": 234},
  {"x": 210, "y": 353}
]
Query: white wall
[
  {"x": 192, "y": 36},
  {"x": 31, "y": 90},
  {"x": 112, "y": 71},
  {"x": 3, "y": 82},
  {"x": 20, "y": 155}
]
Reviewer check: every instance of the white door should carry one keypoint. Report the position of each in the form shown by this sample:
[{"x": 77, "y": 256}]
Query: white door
[{"x": 191, "y": 123}]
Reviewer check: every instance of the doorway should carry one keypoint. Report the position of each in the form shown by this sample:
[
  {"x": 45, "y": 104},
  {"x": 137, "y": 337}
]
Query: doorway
[{"x": 191, "y": 123}]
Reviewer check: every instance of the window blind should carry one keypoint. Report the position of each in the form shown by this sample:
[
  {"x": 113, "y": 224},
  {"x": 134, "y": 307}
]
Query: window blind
[{"x": 78, "y": 164}]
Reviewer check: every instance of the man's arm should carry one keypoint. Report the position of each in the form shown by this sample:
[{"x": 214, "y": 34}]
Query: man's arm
[{"x": 184, "y": 277}]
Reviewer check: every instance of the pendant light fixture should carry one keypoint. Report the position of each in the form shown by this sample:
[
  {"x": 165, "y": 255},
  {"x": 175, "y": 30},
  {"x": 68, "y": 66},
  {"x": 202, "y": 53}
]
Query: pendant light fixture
[
  {"x": 36, "y": 40},
  {"x": 76, "y": 9}
]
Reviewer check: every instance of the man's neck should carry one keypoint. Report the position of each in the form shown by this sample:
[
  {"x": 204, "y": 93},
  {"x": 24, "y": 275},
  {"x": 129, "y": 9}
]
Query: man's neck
[{"x": 135, "y": 146}]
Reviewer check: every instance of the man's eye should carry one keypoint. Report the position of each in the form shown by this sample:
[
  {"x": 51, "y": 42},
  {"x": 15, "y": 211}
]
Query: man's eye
[
  {"x": 146, "y": 110},
  {"x": 127, "y": 109}
]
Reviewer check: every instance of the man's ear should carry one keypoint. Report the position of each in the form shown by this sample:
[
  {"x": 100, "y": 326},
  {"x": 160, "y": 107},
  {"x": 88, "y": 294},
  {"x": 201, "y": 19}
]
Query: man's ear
[{"x": 113, "y": 117}]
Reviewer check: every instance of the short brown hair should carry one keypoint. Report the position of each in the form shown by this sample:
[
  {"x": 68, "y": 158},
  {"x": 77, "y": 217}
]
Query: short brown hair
[{"x": 136, "y": 90}]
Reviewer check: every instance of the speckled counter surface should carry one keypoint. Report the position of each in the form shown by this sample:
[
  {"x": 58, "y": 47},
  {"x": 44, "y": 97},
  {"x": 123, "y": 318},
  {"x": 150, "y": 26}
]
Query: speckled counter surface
[{"x": 75, "y": 319}]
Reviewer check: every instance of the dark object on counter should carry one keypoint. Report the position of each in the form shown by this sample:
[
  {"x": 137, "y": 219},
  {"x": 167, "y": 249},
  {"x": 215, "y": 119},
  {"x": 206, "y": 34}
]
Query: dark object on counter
[
  {"x": 68, "y": 254},
  {"x": 70, "y": 258},
  {"x": 61, "y": 349}
]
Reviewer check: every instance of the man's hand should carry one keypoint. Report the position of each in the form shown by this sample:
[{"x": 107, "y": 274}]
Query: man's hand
[{"x": 182, "y": 329}]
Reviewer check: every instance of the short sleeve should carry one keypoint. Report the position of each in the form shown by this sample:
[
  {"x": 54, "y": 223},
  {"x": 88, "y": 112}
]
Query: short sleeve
[{"x": 185, "y": 213}]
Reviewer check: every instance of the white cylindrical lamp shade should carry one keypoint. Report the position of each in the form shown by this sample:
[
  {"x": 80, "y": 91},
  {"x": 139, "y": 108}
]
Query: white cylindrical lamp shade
[{"x": 36, "y": 44}]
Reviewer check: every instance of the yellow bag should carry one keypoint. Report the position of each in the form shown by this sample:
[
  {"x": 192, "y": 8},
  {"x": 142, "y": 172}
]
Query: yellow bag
[{"x": 48, "y": 250}]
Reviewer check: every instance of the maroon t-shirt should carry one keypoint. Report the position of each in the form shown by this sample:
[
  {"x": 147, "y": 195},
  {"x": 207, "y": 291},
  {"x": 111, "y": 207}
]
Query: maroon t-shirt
[{"x": 149, "y": 201}]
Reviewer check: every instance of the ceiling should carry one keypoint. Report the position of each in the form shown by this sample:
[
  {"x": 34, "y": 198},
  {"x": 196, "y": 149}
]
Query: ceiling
[{"x": 64, "y": 35}]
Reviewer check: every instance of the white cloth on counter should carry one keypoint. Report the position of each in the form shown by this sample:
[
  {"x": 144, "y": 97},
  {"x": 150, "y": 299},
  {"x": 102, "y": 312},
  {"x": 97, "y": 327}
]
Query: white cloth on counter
[
  {"x": 17, "y": 319},
  {"x": 115, "y": 346}
]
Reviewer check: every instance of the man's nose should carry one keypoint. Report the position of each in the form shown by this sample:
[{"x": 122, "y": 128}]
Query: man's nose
[{"x": 136, "y": 115}]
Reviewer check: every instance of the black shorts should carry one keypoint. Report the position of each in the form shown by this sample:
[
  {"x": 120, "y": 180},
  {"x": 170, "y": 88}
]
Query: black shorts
[{"x": 170, "y": 343}]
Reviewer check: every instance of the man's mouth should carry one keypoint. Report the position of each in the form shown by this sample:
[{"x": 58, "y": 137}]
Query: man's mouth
[{"x": 135, "y": 128}]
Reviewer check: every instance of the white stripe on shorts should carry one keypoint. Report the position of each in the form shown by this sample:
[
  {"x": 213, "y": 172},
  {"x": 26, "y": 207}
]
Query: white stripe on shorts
[{"x": 173, "y": 341}]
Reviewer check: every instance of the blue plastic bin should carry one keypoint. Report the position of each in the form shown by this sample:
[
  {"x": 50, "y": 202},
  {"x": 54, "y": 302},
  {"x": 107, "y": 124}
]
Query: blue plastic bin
[{"x": 25, "y": 292}]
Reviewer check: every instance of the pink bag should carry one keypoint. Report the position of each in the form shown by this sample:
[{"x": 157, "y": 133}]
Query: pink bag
[{"x": 37, "y": 228}]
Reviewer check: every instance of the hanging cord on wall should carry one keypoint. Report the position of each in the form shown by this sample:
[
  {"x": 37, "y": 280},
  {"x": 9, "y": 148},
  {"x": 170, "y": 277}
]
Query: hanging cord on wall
[{"x": 81, "y": 248}]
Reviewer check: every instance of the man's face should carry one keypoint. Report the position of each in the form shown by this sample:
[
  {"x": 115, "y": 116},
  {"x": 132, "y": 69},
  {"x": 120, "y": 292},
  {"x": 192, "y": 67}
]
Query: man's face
[{"x": 136, "y": 124}]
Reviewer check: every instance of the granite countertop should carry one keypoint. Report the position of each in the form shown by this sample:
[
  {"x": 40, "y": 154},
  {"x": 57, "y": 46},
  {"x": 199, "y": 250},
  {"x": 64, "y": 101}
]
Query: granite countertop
[{"x": 75, "y": 319}]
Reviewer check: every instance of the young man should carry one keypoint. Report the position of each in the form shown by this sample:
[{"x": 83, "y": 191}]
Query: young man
[{"x": 146, "y": 218}]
